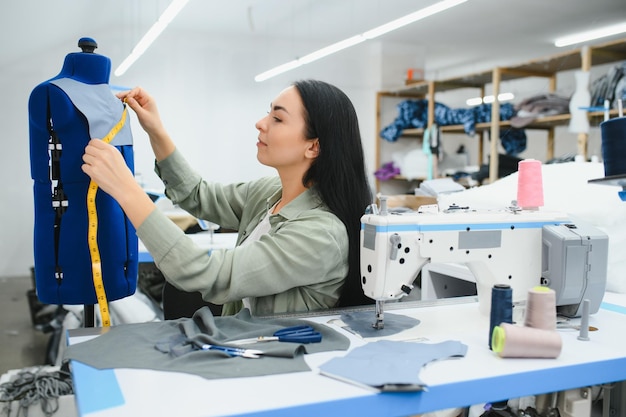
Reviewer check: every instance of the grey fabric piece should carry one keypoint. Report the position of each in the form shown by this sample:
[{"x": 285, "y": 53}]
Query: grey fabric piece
[
  {"x": 389, "y": 365},
  {"x": 166, "y": 346},
  {"x": 99, "y": 106}
]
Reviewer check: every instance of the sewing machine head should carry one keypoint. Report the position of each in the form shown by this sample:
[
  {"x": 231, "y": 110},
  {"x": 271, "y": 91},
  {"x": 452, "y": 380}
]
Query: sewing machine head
[{"x": 504, "y": 246}]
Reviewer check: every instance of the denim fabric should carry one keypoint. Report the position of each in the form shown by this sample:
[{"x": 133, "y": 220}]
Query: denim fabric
[
  {"x": 413, "y": 114},
  {"x": 513, "y": 140}
]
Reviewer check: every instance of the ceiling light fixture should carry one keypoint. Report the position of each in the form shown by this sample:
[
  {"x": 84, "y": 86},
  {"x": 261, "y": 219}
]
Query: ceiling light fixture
[
  {"x": 354, "y": 40},
  {"x": 591, "y": 35},
  {"x": 489, "y": 99},
  {"x": 159, "y": 26}
]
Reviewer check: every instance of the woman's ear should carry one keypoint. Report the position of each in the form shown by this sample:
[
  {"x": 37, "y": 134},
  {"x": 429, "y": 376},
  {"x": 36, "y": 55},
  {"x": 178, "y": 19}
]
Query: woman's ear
[{"x": 313, "y": 148}]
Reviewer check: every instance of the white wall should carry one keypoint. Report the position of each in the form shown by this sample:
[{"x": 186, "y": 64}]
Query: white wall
[
  {"x": 209, "y": 102},
  {"x": 207, "y": 98}
]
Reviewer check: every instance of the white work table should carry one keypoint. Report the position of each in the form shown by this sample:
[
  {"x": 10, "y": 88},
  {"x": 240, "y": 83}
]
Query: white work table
[{"x": 479, "y": 377}]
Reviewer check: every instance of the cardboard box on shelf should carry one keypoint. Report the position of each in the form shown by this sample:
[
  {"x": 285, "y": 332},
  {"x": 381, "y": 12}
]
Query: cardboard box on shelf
[{"x": 412, "y": 202}]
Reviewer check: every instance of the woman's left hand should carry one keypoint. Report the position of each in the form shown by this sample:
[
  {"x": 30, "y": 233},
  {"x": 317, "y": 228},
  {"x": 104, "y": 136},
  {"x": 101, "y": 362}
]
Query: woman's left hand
[{"x": 106, "y": 166}]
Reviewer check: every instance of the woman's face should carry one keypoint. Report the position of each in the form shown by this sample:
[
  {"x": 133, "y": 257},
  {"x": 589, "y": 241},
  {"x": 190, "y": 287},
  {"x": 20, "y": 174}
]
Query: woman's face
[{"x": 282, "y": 143}]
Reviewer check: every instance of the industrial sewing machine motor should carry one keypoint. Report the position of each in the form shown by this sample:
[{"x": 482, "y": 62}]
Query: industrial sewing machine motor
[{"x": 520, "y": 248}]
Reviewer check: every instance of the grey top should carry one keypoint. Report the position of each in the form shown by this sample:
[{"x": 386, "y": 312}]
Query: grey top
[{"x": 299, "y": 265}]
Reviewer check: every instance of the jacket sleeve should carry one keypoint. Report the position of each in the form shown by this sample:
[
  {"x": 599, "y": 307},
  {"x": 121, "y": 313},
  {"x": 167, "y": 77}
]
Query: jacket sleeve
[
  {"x": 310, "y": 250},
  {"x": 217, "y": 203}
]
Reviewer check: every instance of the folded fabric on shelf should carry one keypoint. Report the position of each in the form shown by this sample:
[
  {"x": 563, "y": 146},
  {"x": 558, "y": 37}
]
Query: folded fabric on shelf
[
  {"x": 413, "y": 114},
  {"x": 538, "y": 106}
]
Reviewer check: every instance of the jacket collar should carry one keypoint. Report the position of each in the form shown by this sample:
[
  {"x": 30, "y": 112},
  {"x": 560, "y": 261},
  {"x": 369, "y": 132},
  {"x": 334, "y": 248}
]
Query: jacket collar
[{"x": 307, "y": 200}]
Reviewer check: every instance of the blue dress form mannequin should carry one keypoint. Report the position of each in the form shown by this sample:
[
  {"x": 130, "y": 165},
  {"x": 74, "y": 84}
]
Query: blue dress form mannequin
[{"x": 65, "y": 112}]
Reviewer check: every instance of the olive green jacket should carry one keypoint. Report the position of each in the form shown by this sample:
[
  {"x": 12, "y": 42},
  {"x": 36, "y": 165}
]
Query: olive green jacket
[{"x": 300, "y": 265}]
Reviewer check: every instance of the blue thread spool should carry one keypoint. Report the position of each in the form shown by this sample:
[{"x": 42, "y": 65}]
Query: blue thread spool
[
  {"x": 614, "y": 146},
  {"x": 501, "y": 307}
]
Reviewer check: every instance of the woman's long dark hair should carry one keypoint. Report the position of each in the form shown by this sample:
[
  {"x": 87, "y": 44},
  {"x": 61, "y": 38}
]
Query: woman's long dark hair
[{"x": 339, "y": 170}]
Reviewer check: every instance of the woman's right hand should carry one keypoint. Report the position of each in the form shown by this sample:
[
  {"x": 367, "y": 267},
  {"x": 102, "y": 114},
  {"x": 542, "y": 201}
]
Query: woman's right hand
[
  {"x": 146, "y": 109},
  {"x": 148, "y": 115}
]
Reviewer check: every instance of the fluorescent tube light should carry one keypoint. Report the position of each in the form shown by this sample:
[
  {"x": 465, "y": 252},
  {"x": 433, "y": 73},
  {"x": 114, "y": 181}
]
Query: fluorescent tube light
[
  {"x": 411, "y": 18},
  {"x": 354, "y": 40},
  {"x": 313, "y": 56},
  {"x": 331, "y": 49},
  {"x": 277, "y": 70},
  {"x": 489, "y": 99},
  {"x": 159, "y": 26},
  {"x": 476, "y": 101},
  {"x": 591, "y": 35}
]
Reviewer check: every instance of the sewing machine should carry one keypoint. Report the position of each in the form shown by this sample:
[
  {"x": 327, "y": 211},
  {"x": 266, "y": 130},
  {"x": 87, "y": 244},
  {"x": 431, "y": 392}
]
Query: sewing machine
[{"x": 520, "y": 248}]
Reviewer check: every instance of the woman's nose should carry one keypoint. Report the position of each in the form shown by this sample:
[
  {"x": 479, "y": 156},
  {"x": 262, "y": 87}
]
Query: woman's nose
[{"x": 261, "y": 123}]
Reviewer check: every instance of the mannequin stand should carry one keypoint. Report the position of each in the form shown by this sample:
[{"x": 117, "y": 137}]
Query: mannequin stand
[{"x": 89, "y": 316}]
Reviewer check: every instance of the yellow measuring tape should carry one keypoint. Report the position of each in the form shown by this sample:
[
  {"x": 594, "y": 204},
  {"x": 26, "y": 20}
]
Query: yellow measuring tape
[{"x": 92, "y": 234}]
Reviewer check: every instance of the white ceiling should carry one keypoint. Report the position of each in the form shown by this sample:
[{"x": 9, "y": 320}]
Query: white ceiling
[{"x": 476, "y": 31}]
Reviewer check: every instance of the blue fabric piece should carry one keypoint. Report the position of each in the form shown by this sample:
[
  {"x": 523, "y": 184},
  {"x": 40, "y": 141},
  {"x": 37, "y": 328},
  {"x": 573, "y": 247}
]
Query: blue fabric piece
[
  {"x": 360, "y": 322},
  {"x": 99, "y": 106},
  {"x": 413, "y": 114},
  {"x": 390, "y": 365},
  {"x": 513, "y": 141}
]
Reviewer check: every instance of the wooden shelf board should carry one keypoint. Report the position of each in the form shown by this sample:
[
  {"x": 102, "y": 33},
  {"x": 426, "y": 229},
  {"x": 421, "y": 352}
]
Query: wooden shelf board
[
  {"x": 609, "y": 52},
  {"x": 403, "y": 178},
  {"x": 413, "y": 132},
  {"x": 542, "y": 67},
  {"x": 546, "y": 122},
  {"x": 572, "y": 59},
  {"x": 417, "y": 89}
]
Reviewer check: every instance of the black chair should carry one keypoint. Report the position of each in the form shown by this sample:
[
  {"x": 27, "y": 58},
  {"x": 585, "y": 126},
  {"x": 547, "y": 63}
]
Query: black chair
[{"x": 178, "y": 304}]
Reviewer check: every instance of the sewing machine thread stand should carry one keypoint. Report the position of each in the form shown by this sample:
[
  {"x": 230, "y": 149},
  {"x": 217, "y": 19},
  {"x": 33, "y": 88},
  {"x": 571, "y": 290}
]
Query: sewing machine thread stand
[{"x": 380, "y": 315}]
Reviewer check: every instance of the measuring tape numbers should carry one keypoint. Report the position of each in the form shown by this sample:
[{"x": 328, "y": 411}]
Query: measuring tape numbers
[{"x": 92, "y": 234}]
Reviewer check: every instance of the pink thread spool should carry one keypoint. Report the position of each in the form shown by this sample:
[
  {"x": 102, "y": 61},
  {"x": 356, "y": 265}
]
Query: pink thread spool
[
  {"x": 541, "y": 308},
  {"x": 529, "y": 184},
  {"x": 511, "y": 341}
]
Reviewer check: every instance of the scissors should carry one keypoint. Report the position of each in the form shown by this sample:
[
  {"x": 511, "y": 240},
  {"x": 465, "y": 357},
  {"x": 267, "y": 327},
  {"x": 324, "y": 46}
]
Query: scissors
[
  {"x": 294, "y": 334},
  {"x": 231, "y": 351}
]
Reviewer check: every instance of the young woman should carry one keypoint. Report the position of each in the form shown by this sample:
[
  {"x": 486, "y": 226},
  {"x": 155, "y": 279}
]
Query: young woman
[{"x": 298, "y": 233}]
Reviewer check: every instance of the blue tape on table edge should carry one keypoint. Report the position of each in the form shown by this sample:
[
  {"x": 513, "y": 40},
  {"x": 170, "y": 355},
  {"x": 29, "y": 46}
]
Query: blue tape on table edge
[
  {"x": 99, "y": 389},
  {"x": 613, "y": 307},
  {"x": 463, "y": 393}
]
